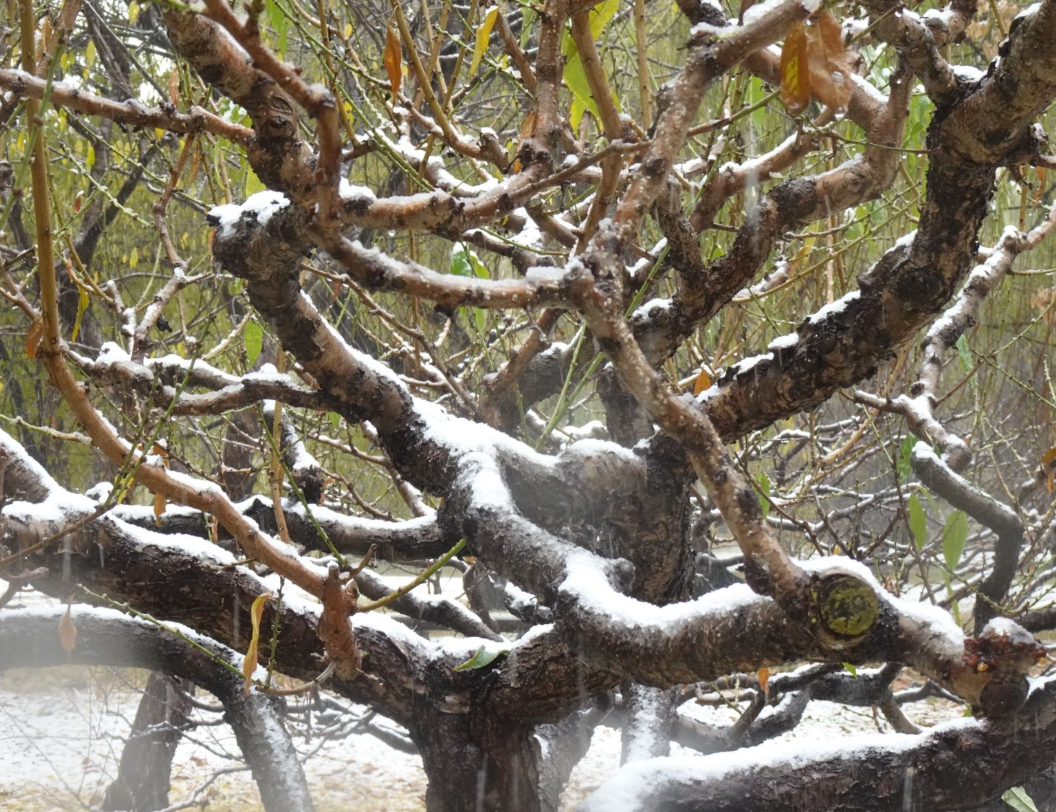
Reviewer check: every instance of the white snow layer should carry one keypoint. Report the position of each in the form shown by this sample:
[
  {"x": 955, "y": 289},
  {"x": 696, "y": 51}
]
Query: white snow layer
[{"x": 260, "y": 206}]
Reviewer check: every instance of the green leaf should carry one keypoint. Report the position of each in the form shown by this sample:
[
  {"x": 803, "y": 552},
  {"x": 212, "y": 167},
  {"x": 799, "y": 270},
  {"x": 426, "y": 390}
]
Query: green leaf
[
  {"x": 479, "y": 270},
  {"x": 335, "y": 420},
  {"x": 850, "y": 669},
  {"x": 254, "y": 338},
  {"x": 601, "y": 14},
  {"x": 954, "y": 537},
  {"x": 905, "y": 453},
  {"x": 528, "y": 14},
  {"x": 763, "y": 481},
  {"x": 465, "y": 262},
  {"x": 82, "y": 304},
  {"x": 964, "y": 353},
  {"x": 481, "y": 659},
  {"x": 576, "y": 79},
  {"x": 918, "y": 522},
  {"x": 461, "y": 264},
  {"x": 279, "y": 22},
  {"x": 253, "y": 183},
  {"x": 574, "y": 75},
  {"x": 1018, "y": 799}
]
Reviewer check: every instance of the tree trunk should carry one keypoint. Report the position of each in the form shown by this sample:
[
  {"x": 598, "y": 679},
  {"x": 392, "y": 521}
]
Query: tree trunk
[
  {"x": 142, "y": 782},
  {"x": 477, "y": 766}
]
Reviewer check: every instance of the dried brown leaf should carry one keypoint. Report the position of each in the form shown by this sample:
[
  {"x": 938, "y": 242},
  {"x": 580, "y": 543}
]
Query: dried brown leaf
[
  {"x": 68, "y": 632},
  {"x": 160, "y": 503},
  {"x": 174, "y": 86},
  {"x": 795, "y": 71},
  {"x": 830, "y": 71},
  {"x": 702, "y": 382},
  {"x": 393, "y": 59},
  {"x": 33, "y": 336}
]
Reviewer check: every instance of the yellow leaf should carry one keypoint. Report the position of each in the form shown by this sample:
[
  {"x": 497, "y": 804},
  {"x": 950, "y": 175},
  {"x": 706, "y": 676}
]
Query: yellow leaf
[
  {"x": 795, "y": 71},
  {"x": 133, "y": 258},
  {"x": 133, "y": 12},
  {"x": 348, "y": 30},
  {"x": 481, "y": 43},
  {"x": 702, "y": 382},
  {"x": 764, "y": 680},
  {"x": 33, "y": 336},
  {"x": 249, "y": 665},
  {"x": 68, "y": 632},
  {"x": 159, "y": 508},
  {"x": 600, "y": 16},
  {"x": 393, "y": 59},
  {"x": 89, "y": 53},
  {"x": 82, "y": 305},
  {"x": 89, "y": 159}
]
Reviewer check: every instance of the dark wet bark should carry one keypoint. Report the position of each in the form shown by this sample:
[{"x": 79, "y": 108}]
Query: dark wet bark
[{"x": 142, "y": 782}]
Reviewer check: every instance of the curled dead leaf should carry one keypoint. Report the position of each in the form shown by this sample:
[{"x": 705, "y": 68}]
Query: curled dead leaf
[
  {"x": 68, "y": 631},
  {"x": 830, "y": 70},
  {"x": 174, "y": 86},
  {"x": 249, "y": 664},
  {"x": 393, "y": 59},
  {"x": 33, "y": 336},
  {"x": 702, "y": 382},
  {"x": 1048, "y": 466},
  {"x": 160, "y": 504}
]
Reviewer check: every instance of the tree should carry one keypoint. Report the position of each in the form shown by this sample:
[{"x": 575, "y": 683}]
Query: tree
[{"x": 481, "y": 287}]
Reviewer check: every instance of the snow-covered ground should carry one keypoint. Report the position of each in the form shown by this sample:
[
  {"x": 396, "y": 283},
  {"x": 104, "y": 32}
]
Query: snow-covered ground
[{"x": 62, "y": 729}]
